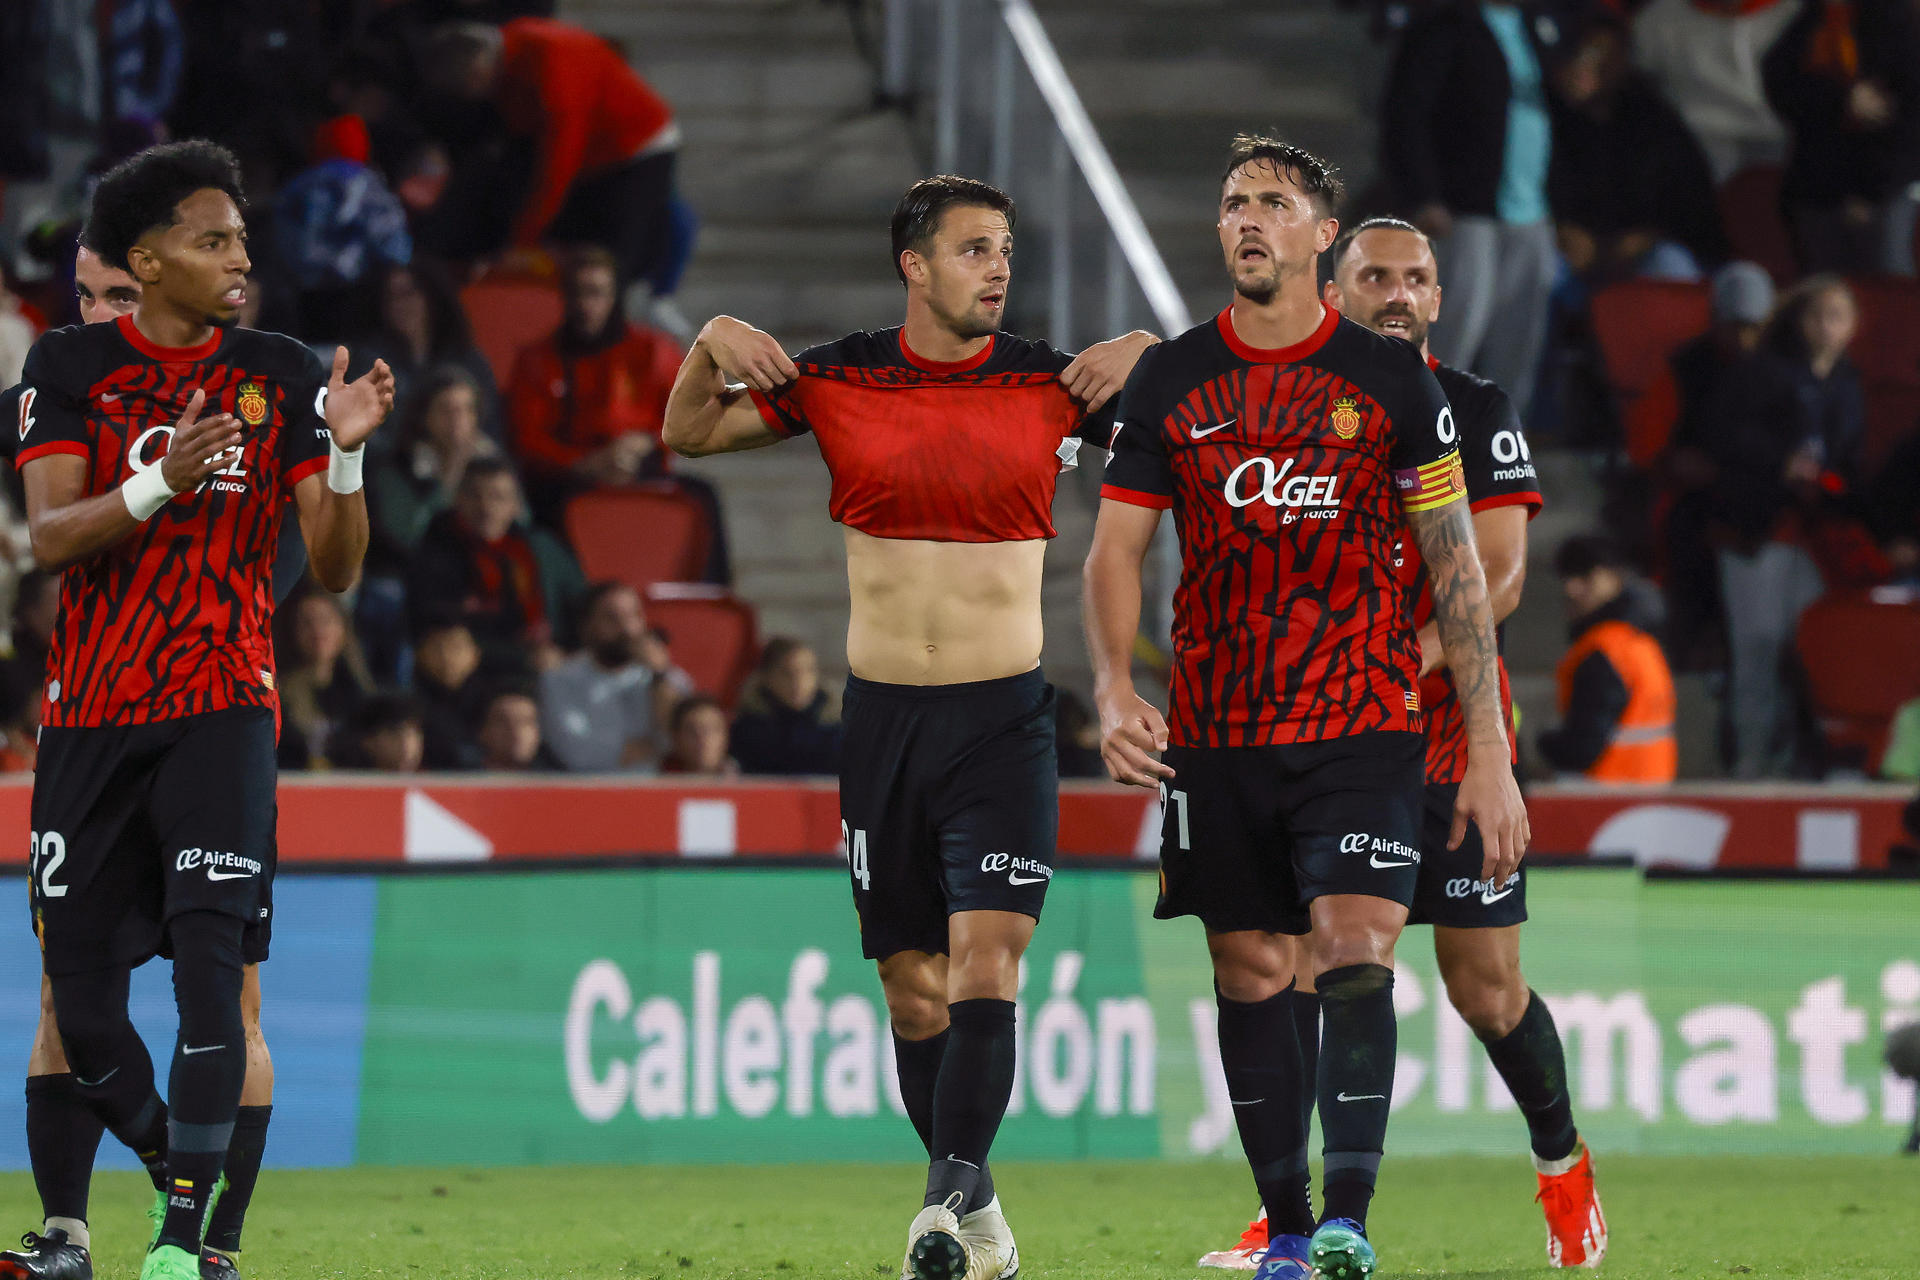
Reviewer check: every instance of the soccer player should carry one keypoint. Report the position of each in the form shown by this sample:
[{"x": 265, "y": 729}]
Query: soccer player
[
  {"x": 1295, "y": 450},
  {"x": 63, "y": 1134},
  {"x": 157, "y": 452},
  {"x": 944, "y": 438},
  {"x": 1385, "y": 277}
]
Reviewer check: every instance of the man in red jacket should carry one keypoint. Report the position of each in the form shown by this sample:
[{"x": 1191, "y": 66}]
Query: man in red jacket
[{"x": 603, "y": 141}]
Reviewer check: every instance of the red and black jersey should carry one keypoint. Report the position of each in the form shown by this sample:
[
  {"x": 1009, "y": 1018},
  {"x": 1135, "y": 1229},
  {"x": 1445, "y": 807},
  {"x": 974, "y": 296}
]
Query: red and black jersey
[
  {"x": 174, "y": 620},
  {"x": 1288, "y": 472},
  {"x": 958, "y": 452},
  {"x": 1499, "y": 470}
]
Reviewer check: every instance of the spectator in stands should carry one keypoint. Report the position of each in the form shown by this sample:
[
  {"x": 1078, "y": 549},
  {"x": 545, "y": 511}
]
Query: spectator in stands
[
  {"x": 1845, "y": 77},
  {"x": 587, "y": 402},
  {"x": 509, "y": 734},
  {"x": 511, "y": 583},
  {"x": 1616, "y": 693},
  {"x": 603, "y": 141},
  {"x": 1808, "y": 335},
  {"x": 1077, "y": 737},
  {"x": 386, "y": 734},
  {"x": 447, "y": 686},
  {"x": 1705, "y": 55},
  {"x": 334, "y": 225},
  {"x": 698, "y": 732},
  {"x": 1698, "y": 407},
  {"x": 787, "y": 723},
  {"x": 606, "y": 708},
  {"x": 1467, "y": 144},
  {"x": 423, "y": 328},
  {"x": 323, "y": 679},
  {"x": 438, "y": 434},
  {"x": 1630, "y": 187}
]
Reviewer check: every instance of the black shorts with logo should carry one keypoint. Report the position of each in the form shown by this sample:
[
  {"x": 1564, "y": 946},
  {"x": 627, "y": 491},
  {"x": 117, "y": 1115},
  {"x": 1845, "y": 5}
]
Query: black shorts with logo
[
  {"x": 949, "y": 801},
  {"x": 1250, "y": 835},
  {"x": 133, "y": 825},
  {"x": 1451, "y": 892}
]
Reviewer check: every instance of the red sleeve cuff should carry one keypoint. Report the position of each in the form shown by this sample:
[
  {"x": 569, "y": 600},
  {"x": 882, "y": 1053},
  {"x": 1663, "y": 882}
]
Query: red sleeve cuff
[
  {"x": 311, "y": 467},
  {"x": 1134, "y": 497},
  {"x": 1532, "y": 501},
  {"x": 74, "y": 447},
  {"x": 770, "y": 415}
]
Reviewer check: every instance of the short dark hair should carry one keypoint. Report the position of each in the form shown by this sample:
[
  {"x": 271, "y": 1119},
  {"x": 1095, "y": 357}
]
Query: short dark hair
[
  {"x": 917, "y": 217},
  {"x": 384, "y": 711},
  {"x": 687, "y": 706},
  {"x": 1315, "y": 176},
  {"x": 597, "y": 591},
  {"x": 1347, "y": 237},
  {"x": 145, "y": 191},
  {"x": 1581, "y": 554},
  {"x": 486, "y": 468},
  {"x": 777, "y": 650}
]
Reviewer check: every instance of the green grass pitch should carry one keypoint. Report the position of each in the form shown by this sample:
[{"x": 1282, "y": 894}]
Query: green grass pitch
[{"x": 1844, "y": 1218}]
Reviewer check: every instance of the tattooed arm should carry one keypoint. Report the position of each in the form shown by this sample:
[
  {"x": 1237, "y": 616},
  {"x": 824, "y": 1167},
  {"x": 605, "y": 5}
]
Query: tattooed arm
[{"x": 1464, "y": 613}]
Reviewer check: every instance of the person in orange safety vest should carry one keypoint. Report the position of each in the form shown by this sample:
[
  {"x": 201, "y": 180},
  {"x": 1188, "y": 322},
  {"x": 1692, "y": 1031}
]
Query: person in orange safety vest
[{"x": 1616, "y": 690}]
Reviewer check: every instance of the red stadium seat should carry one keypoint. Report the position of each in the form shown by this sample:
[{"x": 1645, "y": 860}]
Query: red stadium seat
[
  {"x": 712, "y": 635},
  {"x": 1639, "y": 323},
  {"x": 641, "y": 535},
  {"x": 509, "y": 312},
  {"x": 1888, "y": 348},
  {"x": 1756, "y": 229},
  {"x": 1862, "y": 658}
]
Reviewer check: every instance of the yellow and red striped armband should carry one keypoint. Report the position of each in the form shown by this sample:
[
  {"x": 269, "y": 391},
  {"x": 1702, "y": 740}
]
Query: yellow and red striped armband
[{"x": 1433, "y": 485}]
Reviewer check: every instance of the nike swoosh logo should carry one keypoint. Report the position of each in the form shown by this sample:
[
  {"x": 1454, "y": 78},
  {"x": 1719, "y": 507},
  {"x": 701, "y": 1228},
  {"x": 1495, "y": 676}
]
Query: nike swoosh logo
[
  {"x": 1488, "y": 897},
  {"x": 189, "y": 1050},
  {"x": 1016, "y": 879},
  {"x": 95, "y": 1084},
  {"x": 1385, "y": 866},
  {"x": 111, "y": 398},
  {"x": 1199, "y": 432},
  {"x": 1360, "y": 1097},
  {"x": 227, "y": 875}
]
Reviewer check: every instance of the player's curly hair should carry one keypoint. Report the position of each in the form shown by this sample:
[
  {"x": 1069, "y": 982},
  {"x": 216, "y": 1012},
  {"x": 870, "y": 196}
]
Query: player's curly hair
[
  {"x": 145, "y": 191},
  {"x": 917, "y": 217},
  {"x": 1320, "y": 180}
]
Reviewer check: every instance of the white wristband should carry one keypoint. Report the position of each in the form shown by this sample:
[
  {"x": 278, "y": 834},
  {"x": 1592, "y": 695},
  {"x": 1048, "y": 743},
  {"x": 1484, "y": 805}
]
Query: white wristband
[
  {"x": 343, "y": 468},
  {"x": 145, "y": 492}
]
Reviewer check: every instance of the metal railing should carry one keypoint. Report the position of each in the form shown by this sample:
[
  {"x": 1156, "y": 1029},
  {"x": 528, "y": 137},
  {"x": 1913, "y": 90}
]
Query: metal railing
[{"x": 986, "y": 85}]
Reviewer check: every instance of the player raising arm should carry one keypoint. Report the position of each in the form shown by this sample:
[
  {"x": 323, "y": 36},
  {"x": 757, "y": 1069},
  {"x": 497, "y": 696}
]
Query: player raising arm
[
  {"x": 944, "y": 438},
  {"x": 1294, "y": 448},
  {"x": 157, "y": 453}
]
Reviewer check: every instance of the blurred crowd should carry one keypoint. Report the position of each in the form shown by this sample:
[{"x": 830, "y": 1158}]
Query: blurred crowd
[{"x": 1682, "y": 233}]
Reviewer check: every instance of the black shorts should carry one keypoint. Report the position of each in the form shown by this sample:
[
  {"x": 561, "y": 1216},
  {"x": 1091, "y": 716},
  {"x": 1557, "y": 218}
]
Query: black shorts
[
  {"x": 133, "y": 825},
  {"x": 1451, "y": 892},
  {"x": 1250, "y": 835},
  {"x": 949, "y": 801}
]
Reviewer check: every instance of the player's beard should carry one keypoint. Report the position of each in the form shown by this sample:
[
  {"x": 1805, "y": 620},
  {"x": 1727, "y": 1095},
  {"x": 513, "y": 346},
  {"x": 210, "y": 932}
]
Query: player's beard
[
  {"x": 1416, "y": 327},
  {"x": 975, "y": 322}
]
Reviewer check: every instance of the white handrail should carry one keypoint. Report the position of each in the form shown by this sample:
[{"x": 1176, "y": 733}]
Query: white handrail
[{"x": 1096, "y": 166}]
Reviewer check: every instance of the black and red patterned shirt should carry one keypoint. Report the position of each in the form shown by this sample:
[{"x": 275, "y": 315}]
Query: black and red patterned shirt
[
  {"x": 966, "y": 451},
  {"x": 173, "y": 620},
  {"x": 1288, "y": 472},
  {"x": 1499, "y": 471}
]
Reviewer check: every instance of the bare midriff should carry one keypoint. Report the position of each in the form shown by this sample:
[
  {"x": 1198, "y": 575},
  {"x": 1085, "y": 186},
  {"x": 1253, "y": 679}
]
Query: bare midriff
[{"x": 929, "y": 613}]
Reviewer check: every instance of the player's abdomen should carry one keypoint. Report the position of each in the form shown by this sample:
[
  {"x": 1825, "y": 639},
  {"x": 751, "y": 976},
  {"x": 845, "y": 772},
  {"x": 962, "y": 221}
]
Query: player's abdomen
[{"x": 929, "y": 613}]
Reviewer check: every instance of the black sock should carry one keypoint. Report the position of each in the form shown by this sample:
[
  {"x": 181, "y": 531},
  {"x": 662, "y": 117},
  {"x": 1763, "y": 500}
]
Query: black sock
[
  {"x": 971, "y": 1096},
  {"x": 1530, "y": 1059},
  {"x": 1356, "y": 1083},
  {"x": 919, "y": 1064},
  {"x": 111, "y": 1069},
  {"x": 1306, "y": 1029},
  {"x": 209, "y": 1066},
  {"x": 63, "y": 1136},
  {"x": 243, "y": 1170},
  {"x": 1261, "y": 1056}
]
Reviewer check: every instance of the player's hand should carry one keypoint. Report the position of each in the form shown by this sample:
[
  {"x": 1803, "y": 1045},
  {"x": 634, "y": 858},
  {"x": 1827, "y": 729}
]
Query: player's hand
[
  {"x": 200, "y": 446},
  {"x": 1132, "y": 730},
  {"x": 745, "y": 354},
  {"x": 1097, "y": 374},
  {"x": 355, "y": 408},
  {"x": 1490, "y": 798}
]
